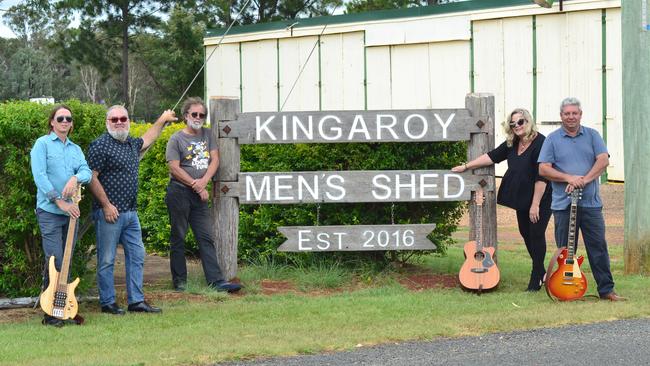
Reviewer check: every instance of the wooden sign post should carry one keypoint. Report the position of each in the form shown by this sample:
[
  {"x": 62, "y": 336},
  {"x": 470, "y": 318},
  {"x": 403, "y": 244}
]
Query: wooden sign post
[{"x": 475, "y": 124}]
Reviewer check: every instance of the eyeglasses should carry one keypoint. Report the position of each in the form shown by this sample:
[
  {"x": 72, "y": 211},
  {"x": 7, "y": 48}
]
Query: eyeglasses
[
  {"x": 196, "y": 114},
  {"x": 121, "y": 119},
  {"x": 518, "y": 123},
  {"x": 60, "y": 119}
]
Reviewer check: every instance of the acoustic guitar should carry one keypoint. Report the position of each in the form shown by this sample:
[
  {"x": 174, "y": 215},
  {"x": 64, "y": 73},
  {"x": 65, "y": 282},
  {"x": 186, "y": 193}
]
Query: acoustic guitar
[
  {"x": 479, "y": 272},
  {"x": 568, "y": 282},
  {"x": 58, "y": 299}
]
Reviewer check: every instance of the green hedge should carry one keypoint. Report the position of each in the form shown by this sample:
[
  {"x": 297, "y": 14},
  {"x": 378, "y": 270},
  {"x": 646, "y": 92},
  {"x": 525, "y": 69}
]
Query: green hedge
[{"x": 21, "y": 254}]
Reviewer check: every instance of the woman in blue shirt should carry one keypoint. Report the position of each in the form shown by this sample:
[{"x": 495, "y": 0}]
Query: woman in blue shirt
[
  {"x": 522, "y": 188},
  {"x": 58, "y": 165}
]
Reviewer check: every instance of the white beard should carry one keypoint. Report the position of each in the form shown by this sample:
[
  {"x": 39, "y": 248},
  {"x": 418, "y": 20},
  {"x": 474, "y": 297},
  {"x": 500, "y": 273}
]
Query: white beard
[
  {"x": 120, "y": 135},
  {"x": 196, "y": 126}
]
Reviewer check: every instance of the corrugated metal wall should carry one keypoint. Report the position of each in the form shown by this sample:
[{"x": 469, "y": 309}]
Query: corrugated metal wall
[{"x": 357, "y": 70}]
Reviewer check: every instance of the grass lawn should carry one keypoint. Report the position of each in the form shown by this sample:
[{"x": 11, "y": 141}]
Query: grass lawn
[{"x": 200, "y": 328}]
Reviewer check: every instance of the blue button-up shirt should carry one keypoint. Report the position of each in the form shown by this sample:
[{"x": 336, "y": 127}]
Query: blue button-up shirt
[
  {"x": 54, "y": 162},
  {"x": 573, "y": 155}
]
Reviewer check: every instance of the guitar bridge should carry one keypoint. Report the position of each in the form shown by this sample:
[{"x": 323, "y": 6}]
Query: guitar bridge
[{"x": 479, "y": 270}]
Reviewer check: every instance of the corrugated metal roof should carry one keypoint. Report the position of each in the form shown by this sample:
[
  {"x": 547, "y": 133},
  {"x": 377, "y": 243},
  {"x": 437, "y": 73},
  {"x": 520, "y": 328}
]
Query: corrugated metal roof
[{"x": 457, "y": 7}]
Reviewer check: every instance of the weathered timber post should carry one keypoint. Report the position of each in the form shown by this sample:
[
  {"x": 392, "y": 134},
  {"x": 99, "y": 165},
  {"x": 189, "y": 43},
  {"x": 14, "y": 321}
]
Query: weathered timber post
[
  {"x": 225, "y": 210},
  {"x": 636, "y": 133},
  {"x": 482, "y": 105}
]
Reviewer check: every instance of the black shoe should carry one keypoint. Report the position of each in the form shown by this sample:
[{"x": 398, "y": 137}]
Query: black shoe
[
  {"x": 536, "y": 282},
  {"x": 112, "y": 309},
  {"x": 180, "y": 287},
  {"x": 225, "y": 286},
  {"x": 50, "y": 320},
  {"x": 143, "y": 307}
]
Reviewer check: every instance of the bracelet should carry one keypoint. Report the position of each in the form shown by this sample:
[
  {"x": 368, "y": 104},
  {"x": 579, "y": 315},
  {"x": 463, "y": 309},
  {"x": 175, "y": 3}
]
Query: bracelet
[{"x": 465, "y": 164}]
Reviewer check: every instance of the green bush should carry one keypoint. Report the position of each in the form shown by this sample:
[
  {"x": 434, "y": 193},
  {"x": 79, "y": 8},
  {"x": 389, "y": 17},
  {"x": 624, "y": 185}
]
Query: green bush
[{"x": 21, "y": 255}]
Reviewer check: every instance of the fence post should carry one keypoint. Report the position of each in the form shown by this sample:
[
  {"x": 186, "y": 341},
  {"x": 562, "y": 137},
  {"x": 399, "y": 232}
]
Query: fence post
[
  {"x": 225, "y": 210},
  {"x": 482, "y": 104}
]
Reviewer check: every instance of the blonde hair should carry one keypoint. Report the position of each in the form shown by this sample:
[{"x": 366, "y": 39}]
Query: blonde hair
[{"x": 530, "y": 127}]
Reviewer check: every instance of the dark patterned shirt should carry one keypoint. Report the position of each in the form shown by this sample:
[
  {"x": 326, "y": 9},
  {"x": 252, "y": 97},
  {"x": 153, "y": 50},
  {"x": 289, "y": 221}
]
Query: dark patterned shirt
[{"x": 117, "y": 164}]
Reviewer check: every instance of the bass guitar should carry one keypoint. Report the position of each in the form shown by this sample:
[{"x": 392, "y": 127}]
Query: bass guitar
[
  {"x": 479, "y": 272},
  {"x": 58, "y": 299},
  {"x": 568, "y": 282}
]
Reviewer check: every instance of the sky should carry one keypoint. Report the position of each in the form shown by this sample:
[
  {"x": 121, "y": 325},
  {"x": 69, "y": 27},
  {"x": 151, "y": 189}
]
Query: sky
[{"x": 5, "y": 32}]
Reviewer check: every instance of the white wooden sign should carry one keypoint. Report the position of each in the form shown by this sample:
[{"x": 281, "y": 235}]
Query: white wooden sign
[
  {"x": 353, "y": 126},
  {"x": 354, "y": 186},
  {"x": 356, "y": 238}
]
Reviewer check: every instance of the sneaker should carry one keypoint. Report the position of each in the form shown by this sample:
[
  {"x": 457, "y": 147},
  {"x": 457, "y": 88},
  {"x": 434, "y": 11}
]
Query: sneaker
[
  {"x": 180, "y": 287},
  {"x": 225, "y": 286}
]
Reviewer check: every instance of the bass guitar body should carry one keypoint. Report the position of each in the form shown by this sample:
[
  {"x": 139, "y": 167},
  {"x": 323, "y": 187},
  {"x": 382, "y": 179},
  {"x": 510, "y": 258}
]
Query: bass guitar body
[
  {"x": 479, "y": 272},
  {"x": 568, "y": 282},
  {"x": 59, "y": 301}
]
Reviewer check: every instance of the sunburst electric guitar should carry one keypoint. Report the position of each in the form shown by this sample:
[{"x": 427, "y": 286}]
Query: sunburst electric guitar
[
  {"x": 479, "y": 272},
  {"x": 58, "y": 299},
  {"x": 568, "y": 282}
]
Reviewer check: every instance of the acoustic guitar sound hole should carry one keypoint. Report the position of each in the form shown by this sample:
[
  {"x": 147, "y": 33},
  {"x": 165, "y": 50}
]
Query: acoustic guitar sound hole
[{"x": 479, "y": 256}]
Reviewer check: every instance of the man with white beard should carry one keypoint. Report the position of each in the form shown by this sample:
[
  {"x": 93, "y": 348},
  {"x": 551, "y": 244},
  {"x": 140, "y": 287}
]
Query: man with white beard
[
  {"x": 114, "y": 161},
  {"x": 193, "y": 158}
]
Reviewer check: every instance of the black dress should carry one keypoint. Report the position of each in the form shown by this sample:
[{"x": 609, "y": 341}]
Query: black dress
[
  {"x": 516, "y": 191},
  {"x": 518, "y": 184}
]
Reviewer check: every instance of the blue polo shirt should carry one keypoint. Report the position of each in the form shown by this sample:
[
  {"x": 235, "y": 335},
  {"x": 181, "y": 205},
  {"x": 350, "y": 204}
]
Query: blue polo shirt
[
  {"x": 53, "y": 163},
  {"x": 573, "y": 155}
]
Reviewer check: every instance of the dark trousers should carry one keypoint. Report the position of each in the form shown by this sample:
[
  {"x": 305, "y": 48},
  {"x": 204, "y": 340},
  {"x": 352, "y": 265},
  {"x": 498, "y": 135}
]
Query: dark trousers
[
  {"x": 591, "y": 223},
  {"x": 186, "y": 209},
  {"x": 534, "y": 235}
]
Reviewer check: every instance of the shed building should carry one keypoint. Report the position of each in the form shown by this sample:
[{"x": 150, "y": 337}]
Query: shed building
[{"x": 431, "y": 57}]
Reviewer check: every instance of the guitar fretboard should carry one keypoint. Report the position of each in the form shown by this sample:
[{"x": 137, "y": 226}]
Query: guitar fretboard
[{"x": 572, "y": 229}]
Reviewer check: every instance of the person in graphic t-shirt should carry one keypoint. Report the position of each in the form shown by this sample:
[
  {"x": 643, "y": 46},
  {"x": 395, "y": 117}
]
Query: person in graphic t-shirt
[
  {"x": 193, "y": 159},
  {"x": 522, "y": 188}
]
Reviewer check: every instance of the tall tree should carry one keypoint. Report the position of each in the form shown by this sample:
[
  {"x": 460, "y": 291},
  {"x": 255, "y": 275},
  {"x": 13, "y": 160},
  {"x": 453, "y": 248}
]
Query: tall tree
[{"x": 107, "y": 25}]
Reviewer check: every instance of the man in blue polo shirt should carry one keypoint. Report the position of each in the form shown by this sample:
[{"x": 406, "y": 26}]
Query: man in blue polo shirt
[
  {"x": 572, "y": 157},
  {"x": 114, "y": 161}
]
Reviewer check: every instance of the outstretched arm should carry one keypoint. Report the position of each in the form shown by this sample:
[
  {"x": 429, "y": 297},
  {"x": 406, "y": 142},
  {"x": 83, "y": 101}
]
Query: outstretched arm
[
  {"x": 154, "y": 131},
  {"x": 481, "y": 161}
]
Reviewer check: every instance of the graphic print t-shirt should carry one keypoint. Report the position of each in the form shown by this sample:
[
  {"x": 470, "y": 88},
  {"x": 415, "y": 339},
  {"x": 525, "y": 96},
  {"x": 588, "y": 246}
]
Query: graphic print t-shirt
[{"x": 192, "y": 151}]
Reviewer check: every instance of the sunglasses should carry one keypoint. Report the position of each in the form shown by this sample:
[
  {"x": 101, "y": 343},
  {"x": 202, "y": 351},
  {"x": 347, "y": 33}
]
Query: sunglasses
[
  {"x": 60, "y": 119},
  {"x": 116, "y": 119},
  {"x": 197, "y": 115},
  {"x": 518, "y": 123}
]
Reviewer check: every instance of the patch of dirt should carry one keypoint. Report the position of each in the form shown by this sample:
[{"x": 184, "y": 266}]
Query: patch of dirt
[
  {"x": 271, "y": 287},
  {"x": 425, "y": 281},
  {"x": 19, "y": 315}
]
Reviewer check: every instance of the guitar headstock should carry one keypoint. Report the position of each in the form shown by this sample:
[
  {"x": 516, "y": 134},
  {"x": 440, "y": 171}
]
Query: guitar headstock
[
  {"x": 478, "y": 196},
  {"x": 576, "y": 195},
  {"x": 77, "y": 195}
]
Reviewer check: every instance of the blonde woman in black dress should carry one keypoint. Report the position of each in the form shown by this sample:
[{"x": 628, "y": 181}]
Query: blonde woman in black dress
[{"x": 522, "y": 188}]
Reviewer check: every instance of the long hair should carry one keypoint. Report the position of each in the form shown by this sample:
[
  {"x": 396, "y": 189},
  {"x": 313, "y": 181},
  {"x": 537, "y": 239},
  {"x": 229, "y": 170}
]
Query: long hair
[
  {"x": 530, "y": 127},
  {"x": 50, "y": 119}
]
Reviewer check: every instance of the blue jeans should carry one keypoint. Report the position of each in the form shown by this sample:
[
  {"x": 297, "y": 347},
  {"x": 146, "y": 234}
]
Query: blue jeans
[
  {"x": 126, "y": 230},
  {"x": 54, "y": 230},
  {"x": 590, "y": 222}
]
